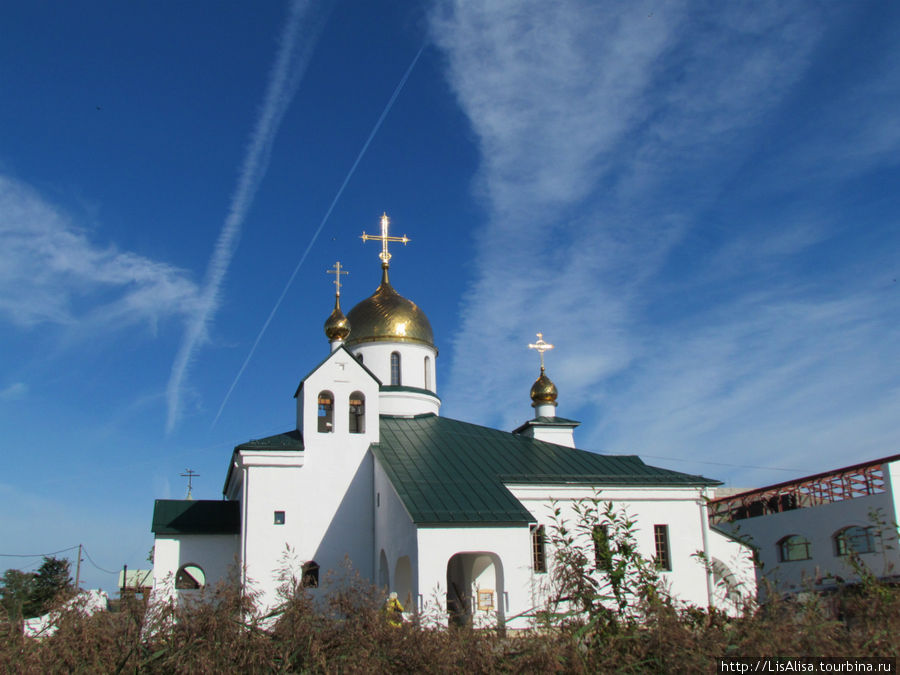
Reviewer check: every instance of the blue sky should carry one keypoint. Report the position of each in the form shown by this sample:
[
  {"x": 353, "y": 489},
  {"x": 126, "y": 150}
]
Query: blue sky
[{"x": 695, "y": 202}]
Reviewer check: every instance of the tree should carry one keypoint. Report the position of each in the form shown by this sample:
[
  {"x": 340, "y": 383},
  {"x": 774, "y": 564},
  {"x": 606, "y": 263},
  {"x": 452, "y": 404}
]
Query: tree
[
  {"x": 53, "y": 579},
  {"x": 16, "y": 588},
  {"x": 28, "y": 594}
]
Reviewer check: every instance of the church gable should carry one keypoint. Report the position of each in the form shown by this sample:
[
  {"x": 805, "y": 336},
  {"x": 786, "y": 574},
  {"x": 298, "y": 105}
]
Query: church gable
[
  {"x": 449, "y": 472},
  {"x": 338, "y": 396}
]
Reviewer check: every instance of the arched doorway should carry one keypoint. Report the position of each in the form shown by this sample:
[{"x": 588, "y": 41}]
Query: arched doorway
[
  {"x": 403, "y": 582},
  {"x": 475, "y": 589}
]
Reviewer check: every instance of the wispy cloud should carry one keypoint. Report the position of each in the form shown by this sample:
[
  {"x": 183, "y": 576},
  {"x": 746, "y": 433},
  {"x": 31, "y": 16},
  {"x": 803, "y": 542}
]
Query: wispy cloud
[
  {"x": 51, "y": 271},
  {"x": 290, "y": 64},
  {"x": 14, "y": 391},
  {"x": 624, "y": 153}
]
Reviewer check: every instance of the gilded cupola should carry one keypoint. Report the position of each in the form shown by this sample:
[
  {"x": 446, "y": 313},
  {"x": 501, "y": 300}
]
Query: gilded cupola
[
  {"x": 337, "y": 326},
  {"x": 543, "y": 391},
  {"x": 388, "y": 316}
]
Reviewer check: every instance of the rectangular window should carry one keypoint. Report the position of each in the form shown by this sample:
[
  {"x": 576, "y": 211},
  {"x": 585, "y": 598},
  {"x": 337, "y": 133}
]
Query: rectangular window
[
  {"x": 538, "y": 544},
  {"x": 602, "y": 554},
  {"x": 279, "y": 517},
  {"x": 663, "y": 556}
]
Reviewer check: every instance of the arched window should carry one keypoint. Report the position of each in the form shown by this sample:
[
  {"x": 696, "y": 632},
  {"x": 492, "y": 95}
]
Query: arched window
[
  {"x": 189, "y": 577},
  {"x": 854, "y": 538},
  {"x": 793, "y": 547},
  {"x": 428, "y": 373},
  {"x": 310, "y": 578},
  {"x": 326, "y": 412},
  {"x": 395, "y": 368},
  {"x": 357, "y": 413}
]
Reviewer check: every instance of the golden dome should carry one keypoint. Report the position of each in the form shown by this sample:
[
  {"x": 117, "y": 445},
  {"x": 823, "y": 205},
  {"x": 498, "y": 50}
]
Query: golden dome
[
  {"x": 388, "y": 316},
  {"x": 337, "y": 326},
  {"x": 543, "y": 391}
]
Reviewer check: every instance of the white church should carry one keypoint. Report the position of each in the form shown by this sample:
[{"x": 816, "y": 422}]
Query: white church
[{"x": 443, "y": 512}]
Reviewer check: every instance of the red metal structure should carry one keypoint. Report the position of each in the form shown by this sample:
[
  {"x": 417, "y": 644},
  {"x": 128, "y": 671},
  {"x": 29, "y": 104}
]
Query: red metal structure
[{"x": 850, "y": 482}]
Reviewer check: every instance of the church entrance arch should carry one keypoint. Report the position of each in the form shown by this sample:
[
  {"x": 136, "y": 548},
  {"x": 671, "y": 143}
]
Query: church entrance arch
[
  {"x": 475, "y": 588},
  {"x": 403, "y": 582}
]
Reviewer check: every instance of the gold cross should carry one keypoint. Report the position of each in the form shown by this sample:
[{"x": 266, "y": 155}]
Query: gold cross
[
  {"x": 541, "y": 347},
  {"x": 337, "y": 272},
  {"x": 384, "y": 239}
]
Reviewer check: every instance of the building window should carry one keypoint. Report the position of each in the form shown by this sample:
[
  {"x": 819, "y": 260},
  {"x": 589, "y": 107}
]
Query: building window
[
  {"x": 310, "y": 578},
  {"x": 663, "y": 556},
  {"x": 190, "y": 577},
  {"x": 856, "y": 539},
  {"x": 395, "y": 369},
  {"x": 326, "y": 412},
  {"x": 279, "y": 517},
  {"x": 792, "y": 548},
  {"x": 602, "y": 554},
  {"x": 538, "y": 548},
  {"x": 357, "y": 413},
  {"x": 428, "y": 373}
]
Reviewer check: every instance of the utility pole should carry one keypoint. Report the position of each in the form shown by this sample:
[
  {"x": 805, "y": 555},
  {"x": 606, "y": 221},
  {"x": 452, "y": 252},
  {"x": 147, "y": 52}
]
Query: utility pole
[{"x": 78, "y": 570}]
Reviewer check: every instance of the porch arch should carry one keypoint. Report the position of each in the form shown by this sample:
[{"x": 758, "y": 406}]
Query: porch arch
[{"x": 475, "y": 587}]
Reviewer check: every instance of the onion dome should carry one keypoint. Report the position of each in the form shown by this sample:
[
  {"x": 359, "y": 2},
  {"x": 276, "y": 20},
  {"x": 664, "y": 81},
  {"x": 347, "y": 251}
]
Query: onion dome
[
  {"x": 337, "y": 326},
  {"x": 386, "y": 316},
  {"x": 543, "y": 391}
]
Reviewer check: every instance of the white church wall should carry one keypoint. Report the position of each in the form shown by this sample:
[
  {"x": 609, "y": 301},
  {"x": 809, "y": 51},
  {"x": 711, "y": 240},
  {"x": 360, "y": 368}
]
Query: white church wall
[
  {"x": 681, "y": 509},
  {"x": 733, "y": 572},
  {"x": 215, "y": 554},
  {"x": 269, "y": 482},
  {"x": 395, "y": 537},
  {"x": 413, "y": 366},
  {"x": 512, "y": 578},
  {"x": 552, "y": 434}
]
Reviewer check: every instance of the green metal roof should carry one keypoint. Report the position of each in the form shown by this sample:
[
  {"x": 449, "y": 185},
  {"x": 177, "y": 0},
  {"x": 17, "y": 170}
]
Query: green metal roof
[
  {"x": 196, "y": 516},
  {"x": 289, "y": 440},
  {"x": 404, "y": 388},
  {"x": 546, "y": 422},
  {"x": 449, "y": 472}
]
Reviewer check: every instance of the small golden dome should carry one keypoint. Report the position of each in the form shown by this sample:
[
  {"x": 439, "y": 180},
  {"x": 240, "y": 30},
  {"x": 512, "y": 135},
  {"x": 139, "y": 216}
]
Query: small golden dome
[
  {"x": 543, "y": 391},
  {"x": 389, "y": 317},
  {"x": 337, "y": 326}
]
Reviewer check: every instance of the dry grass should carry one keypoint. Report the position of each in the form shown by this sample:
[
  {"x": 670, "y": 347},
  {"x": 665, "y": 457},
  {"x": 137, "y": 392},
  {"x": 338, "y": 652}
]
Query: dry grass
[{"x": 350, "y": 633}]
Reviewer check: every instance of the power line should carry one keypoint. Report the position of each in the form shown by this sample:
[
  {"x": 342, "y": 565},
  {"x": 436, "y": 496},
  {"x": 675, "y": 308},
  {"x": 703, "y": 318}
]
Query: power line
[
  {"x": 36, "y": 555},
  {"x": 91, "y": 560},
  {"x": 703, "y": 461}
]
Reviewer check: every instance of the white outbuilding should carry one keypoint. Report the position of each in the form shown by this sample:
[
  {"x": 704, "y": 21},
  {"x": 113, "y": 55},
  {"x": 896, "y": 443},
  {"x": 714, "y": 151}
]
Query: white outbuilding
[
  {"x": 448, "y": 514},
  {"x": 820, "y": 531}
]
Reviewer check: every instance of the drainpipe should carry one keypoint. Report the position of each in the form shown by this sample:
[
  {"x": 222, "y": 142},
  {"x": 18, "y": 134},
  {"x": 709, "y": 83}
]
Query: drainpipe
[{"x": 704, "y": 529}]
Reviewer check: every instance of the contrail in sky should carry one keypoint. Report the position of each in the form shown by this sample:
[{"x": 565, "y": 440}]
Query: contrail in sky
[
  {"x": 384, "y": 113},
  {"x": 290, "y": 63}
]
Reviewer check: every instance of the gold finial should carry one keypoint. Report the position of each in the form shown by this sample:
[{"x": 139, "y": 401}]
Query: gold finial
[
  {"x": 384, "y": 239},
  {"x": 337, "y": 327},
  {"x": 337, "y": 271},
  {"x": 541, "y": 347}
]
